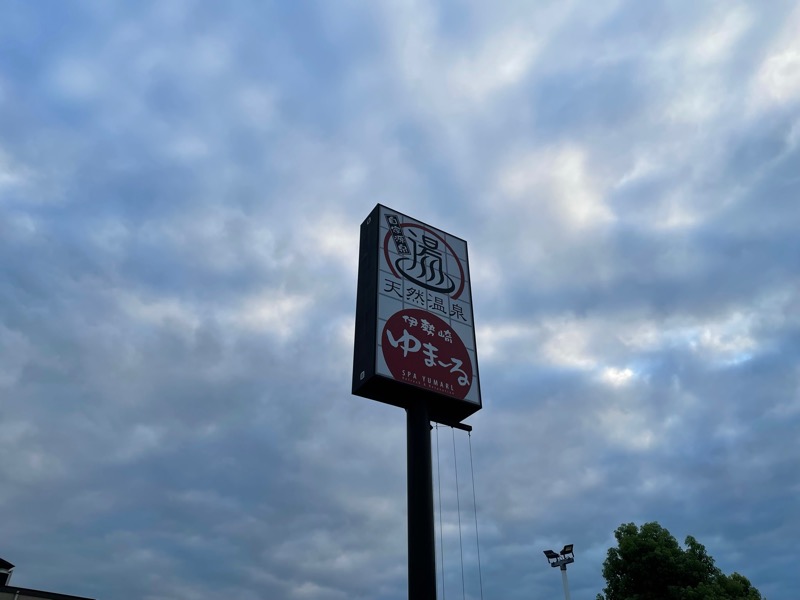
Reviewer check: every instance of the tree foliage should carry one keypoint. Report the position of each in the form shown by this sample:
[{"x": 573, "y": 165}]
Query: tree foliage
[{"x": 649, "y": 564}]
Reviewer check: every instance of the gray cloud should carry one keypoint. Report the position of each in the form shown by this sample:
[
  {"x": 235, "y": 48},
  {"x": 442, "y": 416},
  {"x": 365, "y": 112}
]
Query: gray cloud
[{"x": 180, "y": 192}]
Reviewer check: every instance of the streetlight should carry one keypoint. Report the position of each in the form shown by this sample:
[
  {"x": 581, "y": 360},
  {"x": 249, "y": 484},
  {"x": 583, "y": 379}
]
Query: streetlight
[{"x": 565, "y": 557}]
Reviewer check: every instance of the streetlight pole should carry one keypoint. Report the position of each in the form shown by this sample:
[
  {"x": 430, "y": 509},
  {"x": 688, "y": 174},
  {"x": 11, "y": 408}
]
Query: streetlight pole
[
  {"x": 561, "y": 560},
  {"x": 564, "y": 581}
]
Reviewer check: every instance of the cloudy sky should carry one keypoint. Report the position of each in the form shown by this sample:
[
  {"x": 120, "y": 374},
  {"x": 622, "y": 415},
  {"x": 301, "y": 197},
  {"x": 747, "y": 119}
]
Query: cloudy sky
[{"x": 181, "y": 189}]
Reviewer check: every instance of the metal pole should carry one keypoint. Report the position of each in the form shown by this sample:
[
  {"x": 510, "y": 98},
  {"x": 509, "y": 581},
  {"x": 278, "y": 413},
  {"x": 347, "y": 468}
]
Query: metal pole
[
  {"x": 564, "y": 581},
  {"x": 421, "y": 536}
]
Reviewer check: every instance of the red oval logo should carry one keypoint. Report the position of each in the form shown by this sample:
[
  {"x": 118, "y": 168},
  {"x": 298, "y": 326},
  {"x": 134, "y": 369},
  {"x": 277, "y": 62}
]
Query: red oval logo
[{"x": 423, "y": 350}]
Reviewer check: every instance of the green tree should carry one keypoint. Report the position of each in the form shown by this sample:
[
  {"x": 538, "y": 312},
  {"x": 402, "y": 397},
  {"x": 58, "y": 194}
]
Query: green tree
[{"x": 649, "y": 564}]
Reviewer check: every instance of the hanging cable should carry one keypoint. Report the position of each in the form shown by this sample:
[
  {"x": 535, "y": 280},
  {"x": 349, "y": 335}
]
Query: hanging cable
[
  {"x": 475, "y": 506},
  {"x": 458, "y": 505},
  {"x": 441, "y": 530}
]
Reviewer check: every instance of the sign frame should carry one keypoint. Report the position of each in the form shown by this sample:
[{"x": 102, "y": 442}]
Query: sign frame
[{"x": 371, "y": 374}]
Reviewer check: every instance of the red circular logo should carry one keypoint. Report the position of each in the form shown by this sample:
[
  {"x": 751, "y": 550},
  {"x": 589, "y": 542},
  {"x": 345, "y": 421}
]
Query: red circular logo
[{"x": 423, "y": 350}]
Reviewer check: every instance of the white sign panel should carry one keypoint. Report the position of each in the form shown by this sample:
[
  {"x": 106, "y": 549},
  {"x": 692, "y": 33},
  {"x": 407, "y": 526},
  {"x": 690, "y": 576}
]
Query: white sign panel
[{"x": 426, "y": 333}]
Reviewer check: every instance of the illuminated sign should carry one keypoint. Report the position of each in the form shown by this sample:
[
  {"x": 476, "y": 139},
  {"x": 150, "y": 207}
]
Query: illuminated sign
[{"x": 415, "y": 334}]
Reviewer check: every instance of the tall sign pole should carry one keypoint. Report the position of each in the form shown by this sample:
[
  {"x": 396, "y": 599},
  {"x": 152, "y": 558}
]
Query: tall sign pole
[
  {"x": 415, "y": 348},
  {"x": 421, "y": 532}
]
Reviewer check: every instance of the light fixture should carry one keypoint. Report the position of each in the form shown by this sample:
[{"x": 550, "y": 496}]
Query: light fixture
[{"x": 561, "y": 560}]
